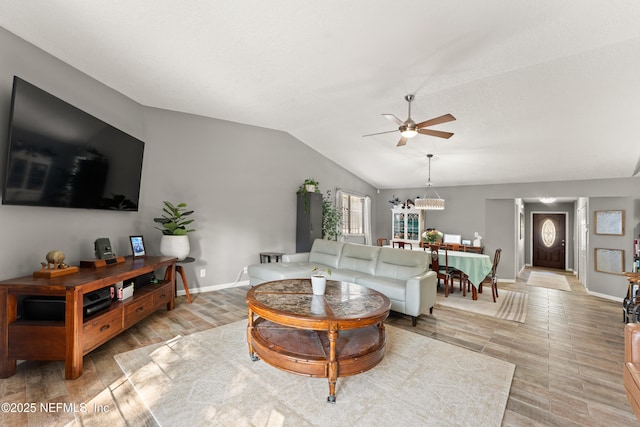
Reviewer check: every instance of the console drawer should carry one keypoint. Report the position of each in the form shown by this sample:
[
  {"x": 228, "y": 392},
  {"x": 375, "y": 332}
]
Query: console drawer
[
  {"x": 162, "y": 295},
  {"x": 100, "y": 329},
  {"x": 138, "y": 310}
]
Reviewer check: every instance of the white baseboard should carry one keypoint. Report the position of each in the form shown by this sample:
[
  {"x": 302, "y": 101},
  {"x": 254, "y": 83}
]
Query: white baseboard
[
  {"x": 605, "y": 296},
  {"x": 214, "y": 287}
]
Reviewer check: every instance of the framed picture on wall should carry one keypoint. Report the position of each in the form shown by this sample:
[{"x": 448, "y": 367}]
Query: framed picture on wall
[
  {"x": 137, "y": 246},
  {"x": 609, "y": 260},
  {"x": 609, "y": 222}
]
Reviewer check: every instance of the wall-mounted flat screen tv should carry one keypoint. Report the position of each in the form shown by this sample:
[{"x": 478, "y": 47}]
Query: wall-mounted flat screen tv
[{"x": 60, "y": 156}]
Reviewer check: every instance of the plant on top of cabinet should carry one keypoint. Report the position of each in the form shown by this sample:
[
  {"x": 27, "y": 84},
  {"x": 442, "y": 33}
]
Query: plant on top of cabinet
[{"x": 309, "y": 185}]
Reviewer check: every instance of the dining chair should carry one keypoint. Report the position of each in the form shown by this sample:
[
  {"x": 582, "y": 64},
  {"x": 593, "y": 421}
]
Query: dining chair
[
  {"x": 491, "y": 277},
  {"x": 383, "y": 241},
  {"x": 441, "y": 272},
  {"x": 402, "y": 245}
]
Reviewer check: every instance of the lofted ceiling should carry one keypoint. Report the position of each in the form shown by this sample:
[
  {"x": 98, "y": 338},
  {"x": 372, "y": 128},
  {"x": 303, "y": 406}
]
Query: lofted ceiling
[{"x": 542, "y": 90}]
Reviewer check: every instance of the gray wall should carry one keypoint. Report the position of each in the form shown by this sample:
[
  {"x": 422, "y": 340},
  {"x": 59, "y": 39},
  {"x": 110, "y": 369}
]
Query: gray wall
[
  {"x": 606, "y": 283},
  {"x": 492, "y": 211},
  {"x": 240, "y": 180}
]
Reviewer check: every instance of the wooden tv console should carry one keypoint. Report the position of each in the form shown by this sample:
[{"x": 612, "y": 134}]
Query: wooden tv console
[{"x": 76, "y": 336}]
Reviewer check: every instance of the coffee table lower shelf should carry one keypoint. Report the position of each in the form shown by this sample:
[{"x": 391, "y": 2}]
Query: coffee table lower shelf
[{"x": 309, "y": 352}]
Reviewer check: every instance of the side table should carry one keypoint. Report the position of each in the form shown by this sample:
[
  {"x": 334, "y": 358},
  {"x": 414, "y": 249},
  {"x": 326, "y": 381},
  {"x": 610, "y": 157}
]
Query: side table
[
  {"x": 266, "y": 256},
  {"x": 180, "y": 269}
]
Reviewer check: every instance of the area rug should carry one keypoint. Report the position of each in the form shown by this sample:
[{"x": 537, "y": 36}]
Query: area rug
[
  {"x": 208, "y": 379},
  {"x": 509, "y": 305},
  {"x": 548, "y": 280}
]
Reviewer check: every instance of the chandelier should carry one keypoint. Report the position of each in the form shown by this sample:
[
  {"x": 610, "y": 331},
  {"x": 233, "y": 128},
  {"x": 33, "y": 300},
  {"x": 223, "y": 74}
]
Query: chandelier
[{"x": 431, "y": 200}]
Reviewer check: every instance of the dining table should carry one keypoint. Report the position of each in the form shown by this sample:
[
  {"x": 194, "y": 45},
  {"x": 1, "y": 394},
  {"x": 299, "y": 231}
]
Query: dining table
[{"x": 475, "y": 266}]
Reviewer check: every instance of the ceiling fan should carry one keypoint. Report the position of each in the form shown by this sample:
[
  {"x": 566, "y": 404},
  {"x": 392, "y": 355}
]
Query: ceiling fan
[{"x": 409, "y": 128}]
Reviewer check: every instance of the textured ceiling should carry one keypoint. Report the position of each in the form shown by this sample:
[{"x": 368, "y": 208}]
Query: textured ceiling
[{"x": 542, "y": 90}]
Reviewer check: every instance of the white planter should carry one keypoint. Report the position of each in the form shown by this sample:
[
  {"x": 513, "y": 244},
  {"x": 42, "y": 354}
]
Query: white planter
[
  {"x": 318, "y": 284},
  {"x": 175, "y": 246},
  {"x": 317, "y": 305},
  {"x": 310, "y": 188}
]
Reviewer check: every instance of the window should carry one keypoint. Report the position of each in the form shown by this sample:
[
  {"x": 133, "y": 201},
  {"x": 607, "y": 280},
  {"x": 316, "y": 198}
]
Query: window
[{"x": 352, "y": 214}]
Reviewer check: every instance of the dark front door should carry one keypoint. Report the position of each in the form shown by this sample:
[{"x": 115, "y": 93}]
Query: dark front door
[{"x": 549, "y": 240}]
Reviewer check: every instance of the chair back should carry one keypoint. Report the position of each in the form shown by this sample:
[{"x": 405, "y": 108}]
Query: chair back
[
  {"x": 496, "y": 260},
  {"x": 435, "y": 262},
  {"x": 401, "y": 245},
  {"x": 383, "y": 241}
]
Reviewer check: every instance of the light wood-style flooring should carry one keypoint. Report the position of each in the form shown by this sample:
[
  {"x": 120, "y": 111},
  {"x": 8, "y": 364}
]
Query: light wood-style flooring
[{"x": 568, "y": 356}]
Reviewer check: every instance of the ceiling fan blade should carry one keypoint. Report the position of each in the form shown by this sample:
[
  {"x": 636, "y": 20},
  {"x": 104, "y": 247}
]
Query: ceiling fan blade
[
  {"x": 380, "y": 133},
  {"x": 394, "y": 119},
  {"x": 436, "y": 121},
  {"x": 402, "y": 141},
  {"x": 437, "y": 133}
]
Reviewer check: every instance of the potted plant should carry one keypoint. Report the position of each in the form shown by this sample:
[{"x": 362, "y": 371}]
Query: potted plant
[
  {"x": 309, "y": 185},
  {"x": 175, "y": 242},
  {"x": 331, "y": 218},
  {"x": 431, "y": 236},
  {"x": 319, "y": 279}
]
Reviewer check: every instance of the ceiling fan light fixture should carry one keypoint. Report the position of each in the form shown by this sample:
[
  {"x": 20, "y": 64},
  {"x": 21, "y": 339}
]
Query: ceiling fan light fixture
[
  {"x": 409, "y": 133},
  {"x": 431, "y": 200},
  {"x": 408, "y": 129}
]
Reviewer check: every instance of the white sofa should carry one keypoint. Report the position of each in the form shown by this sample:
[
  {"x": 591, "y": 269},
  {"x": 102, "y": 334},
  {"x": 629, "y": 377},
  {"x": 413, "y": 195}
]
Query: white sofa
[{"x": 403, "y": 276}]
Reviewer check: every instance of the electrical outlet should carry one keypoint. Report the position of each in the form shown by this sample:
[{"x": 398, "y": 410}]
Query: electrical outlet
[
  {"x": 245, "y": 269},
  {"x": 203, "y": 272}
]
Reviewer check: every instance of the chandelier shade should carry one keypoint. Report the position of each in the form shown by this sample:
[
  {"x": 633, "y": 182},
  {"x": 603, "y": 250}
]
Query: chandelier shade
[{"x": 431, "y": 200}]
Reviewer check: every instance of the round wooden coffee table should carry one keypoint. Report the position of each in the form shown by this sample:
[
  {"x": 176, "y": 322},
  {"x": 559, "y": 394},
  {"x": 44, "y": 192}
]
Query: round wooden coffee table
[{"x": 338, "y": 334}]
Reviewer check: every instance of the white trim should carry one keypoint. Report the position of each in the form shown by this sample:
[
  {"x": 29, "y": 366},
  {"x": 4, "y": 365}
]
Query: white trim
[
  {"x": 605, "y": 296},
  {"x": 215, "y": 287}
]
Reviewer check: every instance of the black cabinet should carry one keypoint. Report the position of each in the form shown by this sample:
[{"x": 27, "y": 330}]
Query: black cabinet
[{"x": 309, "y": 220}]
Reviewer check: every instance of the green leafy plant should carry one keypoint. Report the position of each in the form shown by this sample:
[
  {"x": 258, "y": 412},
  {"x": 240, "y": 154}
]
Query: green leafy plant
[
  {"x": 321, "y": 271},
  {"x": 431, "y": 236},
  {"x": 174, "y": 220},
  {"x": 331, "y": 218},
  {"x": 303, "y": 190}
]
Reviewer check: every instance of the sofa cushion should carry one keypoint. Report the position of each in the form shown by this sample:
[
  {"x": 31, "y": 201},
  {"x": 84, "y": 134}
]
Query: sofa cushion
[
  {"x": 325, "y": 252},
  {"x": 392, "y": 288},
  {"x": 344, "y": 275},
  {"x": 401, "y": 264},
  {"x": 359, "y": 258}
]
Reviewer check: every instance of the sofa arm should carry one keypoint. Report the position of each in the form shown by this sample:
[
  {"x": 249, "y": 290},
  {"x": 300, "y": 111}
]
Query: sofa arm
[
  {"x": 632, "y": 342},
  {"x": 297, "y": 257},
  {"x": 421, "y": 293}
]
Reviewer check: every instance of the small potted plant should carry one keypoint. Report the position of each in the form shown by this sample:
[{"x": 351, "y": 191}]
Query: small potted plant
[
  {"x": 431, "y": 236},
  {"x": 309, "y": 185},
  {"x": 174, "y": 229},
  {"x": 319, "y": 279}
]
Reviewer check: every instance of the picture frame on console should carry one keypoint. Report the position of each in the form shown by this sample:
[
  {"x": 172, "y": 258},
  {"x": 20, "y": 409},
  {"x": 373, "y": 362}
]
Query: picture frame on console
[{"x": 137, "y": 246}]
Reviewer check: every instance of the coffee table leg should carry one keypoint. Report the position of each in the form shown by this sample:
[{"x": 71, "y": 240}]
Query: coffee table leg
[
  {"x": 252, "y": 354},
  {"x": 333, "y": 366}
]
